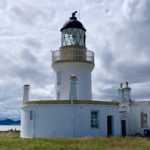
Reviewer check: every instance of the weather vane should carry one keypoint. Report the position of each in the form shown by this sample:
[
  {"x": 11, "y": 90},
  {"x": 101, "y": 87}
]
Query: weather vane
[{"x": 74, "y": 13}]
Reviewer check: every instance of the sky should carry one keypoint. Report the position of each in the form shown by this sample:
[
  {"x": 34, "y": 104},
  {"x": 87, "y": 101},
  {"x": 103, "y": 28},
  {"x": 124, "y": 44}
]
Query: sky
[{"x": 117, "y": 32}]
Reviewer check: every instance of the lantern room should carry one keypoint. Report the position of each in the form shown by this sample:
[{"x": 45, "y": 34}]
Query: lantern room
[{"x": 73, "y": 32}]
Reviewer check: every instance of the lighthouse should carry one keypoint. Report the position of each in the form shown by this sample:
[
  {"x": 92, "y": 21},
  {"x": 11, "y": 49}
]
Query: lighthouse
[
  {"x": 73, "y": 59},
  {"x": 73, "y": 113}
]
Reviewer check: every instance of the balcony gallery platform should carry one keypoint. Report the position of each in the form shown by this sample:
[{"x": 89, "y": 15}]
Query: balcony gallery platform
[{"x": 73, "y": 55}]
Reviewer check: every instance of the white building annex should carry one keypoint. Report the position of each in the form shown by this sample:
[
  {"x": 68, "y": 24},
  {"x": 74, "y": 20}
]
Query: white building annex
[{"x": 73, "y": 113}]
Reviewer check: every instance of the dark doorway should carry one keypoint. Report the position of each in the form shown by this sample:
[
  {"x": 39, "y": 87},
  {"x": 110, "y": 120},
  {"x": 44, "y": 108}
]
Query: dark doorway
[
  {"x": 123, "y": 127},
  {"x": 109, "y": 125}
]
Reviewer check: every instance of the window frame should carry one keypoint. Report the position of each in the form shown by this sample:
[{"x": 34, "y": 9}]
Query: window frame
[
  {"x": 31, "y": 115},
  {"x": 58, "y": 74},
  {"x": 73, "y": 36},
  {"x": 94, "y": 119},
  {"x": 144, "y": 119}
]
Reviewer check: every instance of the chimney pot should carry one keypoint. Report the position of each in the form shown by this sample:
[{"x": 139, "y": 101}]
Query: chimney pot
[{"x": 26, "y": 89}]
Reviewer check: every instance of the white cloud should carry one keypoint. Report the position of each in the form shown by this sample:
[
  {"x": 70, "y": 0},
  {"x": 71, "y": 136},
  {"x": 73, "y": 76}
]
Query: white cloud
[
  {"x": 117, "y": 31},
  {"x": 136, "y": 11}
]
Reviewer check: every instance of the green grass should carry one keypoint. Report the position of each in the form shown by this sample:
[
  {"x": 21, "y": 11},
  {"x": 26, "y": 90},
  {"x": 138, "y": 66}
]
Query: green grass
[{"x": 12, "y": 141}]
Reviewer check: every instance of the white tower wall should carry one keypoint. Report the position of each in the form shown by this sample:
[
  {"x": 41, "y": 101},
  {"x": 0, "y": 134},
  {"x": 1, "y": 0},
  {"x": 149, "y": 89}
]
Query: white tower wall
[{"x": 83, "y": 73}]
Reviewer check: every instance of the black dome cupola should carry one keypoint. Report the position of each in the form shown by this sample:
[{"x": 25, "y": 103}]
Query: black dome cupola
[
  {"x": 73, "y": 23},
  {"x": 73, "y": 32}
]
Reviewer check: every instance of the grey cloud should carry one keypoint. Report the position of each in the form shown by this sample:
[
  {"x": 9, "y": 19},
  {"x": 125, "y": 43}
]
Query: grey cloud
[
  {"x": 33, "y": 43},
  {"x": 107, "y": 58},
  {"x": 3, "y": 4},
  {"x": 137, "y": 11},
  {"x": 133, "y": 72},
  {"x": 128, "y": 57},
  {"x": 27, "y": 14},
  {"x": 34, "y": 70},
  {"x": 105, "y": 91},
  {"x": 140, "y": 91},
  {"x": 28, "y": 56},
  {"x": 10, "y": 99},
  {"x": 32, "y": 75},
  {"x": 19, "y": 14}
]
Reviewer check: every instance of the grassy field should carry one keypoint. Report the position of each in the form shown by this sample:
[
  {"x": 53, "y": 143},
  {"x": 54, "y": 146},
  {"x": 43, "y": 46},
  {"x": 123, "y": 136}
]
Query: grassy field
[{"x": 12, "y": 141}]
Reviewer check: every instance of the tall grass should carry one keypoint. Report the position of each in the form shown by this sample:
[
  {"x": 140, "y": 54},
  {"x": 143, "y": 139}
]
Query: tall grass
[{"x": 12, "y": 141}]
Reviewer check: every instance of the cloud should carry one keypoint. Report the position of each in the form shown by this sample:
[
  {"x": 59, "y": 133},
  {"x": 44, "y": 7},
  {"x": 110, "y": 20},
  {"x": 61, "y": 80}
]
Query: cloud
[
  {"x": 117, "y": 31},
  {"x": 26, "y": 14},
  {"x": 3, "y": 4},
  {"x": 136, "y": 11},
  {"x": 124, "y": 52},
  {"x": 33, "y": 43}
]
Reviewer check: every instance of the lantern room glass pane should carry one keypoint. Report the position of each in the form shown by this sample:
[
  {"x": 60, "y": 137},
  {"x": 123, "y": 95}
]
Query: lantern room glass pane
[{"x": 73, "y": 36}]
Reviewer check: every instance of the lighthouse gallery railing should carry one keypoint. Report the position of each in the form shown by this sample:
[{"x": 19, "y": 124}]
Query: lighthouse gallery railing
[{"x": 73, "y": 55}]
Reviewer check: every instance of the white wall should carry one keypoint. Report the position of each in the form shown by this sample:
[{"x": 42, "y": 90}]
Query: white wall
[
  {"x": 66, "y": 120},
  {"x": 83, "y": 73},
  {"x": 26, "y": 124},
  {"x": 135, "y": 116}
]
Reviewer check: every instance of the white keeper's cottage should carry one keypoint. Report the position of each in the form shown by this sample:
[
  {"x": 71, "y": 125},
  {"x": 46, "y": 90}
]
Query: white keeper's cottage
[{"x": 74, "y": 113}]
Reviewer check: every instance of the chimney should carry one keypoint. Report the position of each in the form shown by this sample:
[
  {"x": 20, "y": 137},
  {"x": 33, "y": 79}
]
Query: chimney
[{"x": 26, "y": 92}]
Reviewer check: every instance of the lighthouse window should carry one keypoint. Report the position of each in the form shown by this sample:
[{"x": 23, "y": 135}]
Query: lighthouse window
[
  {"x": 94, "y": 119},
  {"x": 73, "y": 36},
  {"x": 31, "y": 115},
  {"x": 58, "y": 77}
]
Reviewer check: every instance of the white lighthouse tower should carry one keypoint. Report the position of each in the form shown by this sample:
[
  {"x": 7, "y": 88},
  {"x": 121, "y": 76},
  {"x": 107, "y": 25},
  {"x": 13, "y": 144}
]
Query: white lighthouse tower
[{"x": 73, "y": 58}]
